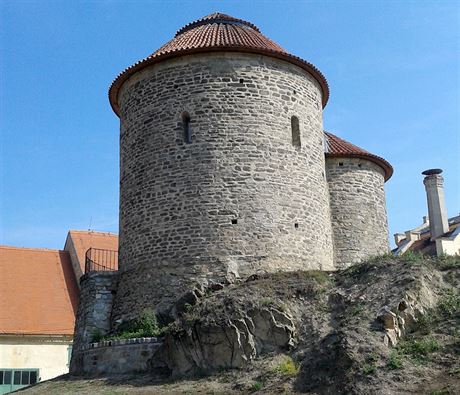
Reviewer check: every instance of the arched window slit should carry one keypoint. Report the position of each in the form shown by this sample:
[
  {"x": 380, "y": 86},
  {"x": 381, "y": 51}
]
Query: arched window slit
[
  {"x": 186, "y": 127},
  {"x": 295, "y": 131}
]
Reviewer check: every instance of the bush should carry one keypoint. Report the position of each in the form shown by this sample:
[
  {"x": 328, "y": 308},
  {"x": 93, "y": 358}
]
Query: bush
[
  {"x": 395, "y": 361},
  {"x": 288, "y": 367},
  {"x": 145, "y": 326},
  {"x": 450, "y": 304},
  {"x": 369, "y": 368},
  {"x": 420, "y": 349},
  {"x": 257, "y": 386}
]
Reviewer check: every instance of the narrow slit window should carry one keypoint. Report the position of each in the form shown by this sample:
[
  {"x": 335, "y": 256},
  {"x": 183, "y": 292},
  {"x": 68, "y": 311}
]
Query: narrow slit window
[
  {"x": 187, "y": 129},
  {"x": 295, "y": 130}
]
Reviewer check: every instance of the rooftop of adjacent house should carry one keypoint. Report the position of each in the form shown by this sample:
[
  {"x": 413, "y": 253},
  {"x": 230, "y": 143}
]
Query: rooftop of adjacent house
[
  {"x": 38, "y": 292},
  {"x": 337, "y": 148},
  {"x": 82, "y": 240},
  {"x": 216, "y": 32},
  {"x": 424, "y": 244}
]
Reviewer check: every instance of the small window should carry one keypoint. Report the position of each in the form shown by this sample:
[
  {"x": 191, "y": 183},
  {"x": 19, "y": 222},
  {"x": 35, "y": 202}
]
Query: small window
[
  {"x": 25, "y": 377},
  {"x": 186, "y": 127},
  {"x": 33, "y": 377},
  {"x": 17, "y": 378},
  {"x": 296, "y": 225},
  {"x": 234, "y": 221},
  {"x": 7, "y": 377},
  {"x": 340, "y": 164},
  {"x": 241, "y": 81},
  {"x": 295, "y": 131}
]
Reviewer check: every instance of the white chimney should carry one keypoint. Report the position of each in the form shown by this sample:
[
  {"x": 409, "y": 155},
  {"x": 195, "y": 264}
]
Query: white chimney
[{"x": 437, "y": 213}]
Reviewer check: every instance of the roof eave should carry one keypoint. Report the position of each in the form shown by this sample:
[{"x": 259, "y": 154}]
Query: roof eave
[
  {"x": 387, "y": 168},
  {"x": 130, "y": 71}
]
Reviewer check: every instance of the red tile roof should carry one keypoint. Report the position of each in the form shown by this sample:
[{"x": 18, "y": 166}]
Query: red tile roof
[
  {"x": 339, "y": 148},
  {"x": 216, "y": 32},
  {"x": 79, "y": 241},
  {"x": 38, "y": 292}
]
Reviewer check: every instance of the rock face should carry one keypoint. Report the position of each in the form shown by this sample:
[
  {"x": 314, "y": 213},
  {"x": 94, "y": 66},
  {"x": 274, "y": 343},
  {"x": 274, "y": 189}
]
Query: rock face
[{"x": 233, "y": 344}]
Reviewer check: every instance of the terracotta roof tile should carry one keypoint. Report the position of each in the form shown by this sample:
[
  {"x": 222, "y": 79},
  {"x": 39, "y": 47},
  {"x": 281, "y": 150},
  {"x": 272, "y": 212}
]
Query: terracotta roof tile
[
  {"x": 216, "y": 32},
  {"x": 79, "y": 241},
  {"x": 38, "y": 292},
  {"x": 337, "y": 147}
]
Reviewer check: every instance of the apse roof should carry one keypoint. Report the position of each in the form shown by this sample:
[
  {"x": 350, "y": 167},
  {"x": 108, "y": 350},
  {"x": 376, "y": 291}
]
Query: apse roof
[
  {"x": 337, "y": 147},
  {"x": 216, "y": 32}
]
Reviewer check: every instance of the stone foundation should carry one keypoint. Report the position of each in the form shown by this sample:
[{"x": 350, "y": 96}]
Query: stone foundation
[
  {"x": 117, "y": 357},
  {"x": 97, "y": 290}
]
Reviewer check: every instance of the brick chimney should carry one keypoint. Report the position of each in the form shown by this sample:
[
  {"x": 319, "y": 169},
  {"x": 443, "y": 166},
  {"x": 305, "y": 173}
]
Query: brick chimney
[{"x": 437, "y": 213}]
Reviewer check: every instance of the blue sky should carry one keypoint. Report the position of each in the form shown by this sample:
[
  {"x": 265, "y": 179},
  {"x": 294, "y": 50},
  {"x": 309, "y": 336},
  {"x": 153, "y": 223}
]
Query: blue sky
[{"x": 392, "y": 66}]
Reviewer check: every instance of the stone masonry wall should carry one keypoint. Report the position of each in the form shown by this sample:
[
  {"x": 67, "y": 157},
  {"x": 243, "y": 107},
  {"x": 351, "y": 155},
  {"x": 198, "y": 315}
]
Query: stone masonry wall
[
  {"x": 97, "y": 290},
  {"x": 118, "y": 357},
  {"x": 359, "y": 218},
  {"x": 240, "y": 198}
]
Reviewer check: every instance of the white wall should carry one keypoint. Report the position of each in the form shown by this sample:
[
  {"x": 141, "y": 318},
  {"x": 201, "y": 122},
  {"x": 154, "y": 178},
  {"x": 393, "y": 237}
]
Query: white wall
[{"x": 49, "y": 355}]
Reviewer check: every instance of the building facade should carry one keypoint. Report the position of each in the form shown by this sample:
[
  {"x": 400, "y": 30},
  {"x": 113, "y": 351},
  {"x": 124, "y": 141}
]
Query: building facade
[
  {"x": 226, "y": 169},
  {"x": 39, "y": 292}
]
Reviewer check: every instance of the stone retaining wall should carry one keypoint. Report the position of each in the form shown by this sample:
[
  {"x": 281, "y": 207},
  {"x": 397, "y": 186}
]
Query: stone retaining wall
[
  {"x": 97, "y": 290},
  {"x": 117, "y": 356}
]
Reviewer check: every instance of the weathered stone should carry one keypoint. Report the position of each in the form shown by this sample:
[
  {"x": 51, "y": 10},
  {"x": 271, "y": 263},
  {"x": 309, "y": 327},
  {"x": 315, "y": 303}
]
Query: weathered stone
[
  {"x": 358, "y": 210},
  {"x": 233, "y": 345},
  {"x": 238, "y": 199}
]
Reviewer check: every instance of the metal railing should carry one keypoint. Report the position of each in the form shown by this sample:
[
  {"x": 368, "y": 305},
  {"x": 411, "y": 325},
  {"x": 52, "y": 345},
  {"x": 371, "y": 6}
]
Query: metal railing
[{"x": 101, "y": 260}]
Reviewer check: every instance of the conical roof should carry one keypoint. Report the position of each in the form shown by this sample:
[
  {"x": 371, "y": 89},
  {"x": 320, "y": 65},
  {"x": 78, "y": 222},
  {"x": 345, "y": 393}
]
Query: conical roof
[
  {"x": 216, "y": 32},
  {"x": 339, "y": 148}
]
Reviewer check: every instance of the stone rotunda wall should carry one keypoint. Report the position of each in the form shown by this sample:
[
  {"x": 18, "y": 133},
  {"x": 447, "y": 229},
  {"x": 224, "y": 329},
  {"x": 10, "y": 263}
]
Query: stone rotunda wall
[
  {"x": 359, "y": 218},
  {"x": 241, "y": 197}
]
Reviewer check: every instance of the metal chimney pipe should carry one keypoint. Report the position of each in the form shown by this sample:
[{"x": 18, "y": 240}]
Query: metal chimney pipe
[{"x": 437, "y": 213}]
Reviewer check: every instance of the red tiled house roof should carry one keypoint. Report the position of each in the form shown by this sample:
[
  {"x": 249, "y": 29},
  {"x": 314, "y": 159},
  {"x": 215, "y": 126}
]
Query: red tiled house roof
[
  {"x": 339, "y": 148},
  {"x": 38, "y": 292},
  {"x": 79, "y": 241},
  {"x": 216, "y": 32}
]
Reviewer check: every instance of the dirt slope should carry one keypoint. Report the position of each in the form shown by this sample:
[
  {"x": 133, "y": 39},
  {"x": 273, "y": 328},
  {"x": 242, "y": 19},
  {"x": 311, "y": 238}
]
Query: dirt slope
[{"x": 387, "y": 326}]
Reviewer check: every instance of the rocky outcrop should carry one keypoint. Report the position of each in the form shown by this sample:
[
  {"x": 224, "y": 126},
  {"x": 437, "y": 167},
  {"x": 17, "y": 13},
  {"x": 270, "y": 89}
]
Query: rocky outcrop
[{"x": 206, "y": 347}]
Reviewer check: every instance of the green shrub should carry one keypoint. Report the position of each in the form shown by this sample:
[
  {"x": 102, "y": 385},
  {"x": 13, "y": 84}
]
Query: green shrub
[
  {"x": 288, "y": 367},
  {"x": 449, "y": 304},
  {"x": 395, "y": 361},
  {"x": 96, "y": 336},
  {"x": 257, "y": 386},
  {"x": 357, "y": 309},
  {"x": 421, "y": 349},
  {"x": 145, "y": 326},
  {"x": 369, "y": 368},
  {"x": 321, "y": 277},
  {"x": 442, "y": 391}
]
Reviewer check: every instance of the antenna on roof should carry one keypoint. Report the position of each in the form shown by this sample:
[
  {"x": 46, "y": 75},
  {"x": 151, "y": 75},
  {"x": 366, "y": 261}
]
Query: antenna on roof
[{"x": 90, "y": 223}]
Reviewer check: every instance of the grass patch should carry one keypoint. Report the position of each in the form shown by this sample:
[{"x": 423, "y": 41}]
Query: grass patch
[
  {"x": 419, "y": 350},
  {"x": 257, "y": 386},
  {"x": 442, "y": 391},
  {"x": 369, "y": 367},
  {"x": 357, "y": 309},
  {"x": 319, "y": 276},
  {"x": 448, "y": 262},
  {"x": 395, "y": 360},
  {"x": 287, "y": 368},
  {"x": 449, "y": 304}
]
